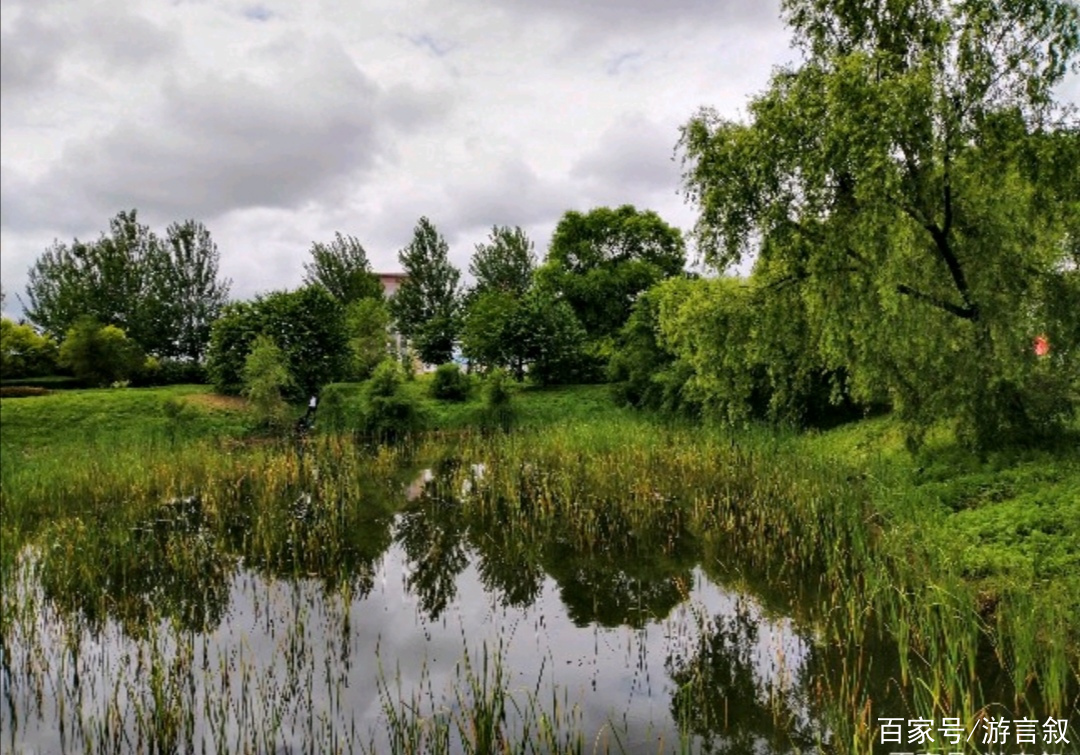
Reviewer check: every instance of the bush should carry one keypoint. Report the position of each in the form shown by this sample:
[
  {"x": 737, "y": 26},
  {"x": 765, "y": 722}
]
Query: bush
[
  {"x": 450, "y": 383},
  {"x": 498, "y": 400},
  {"x": 23, "y": 352},
  {"x": 333, "y": 407},
  {"x": 100, "y": 355},
  {"x": 391, "y": 413},
  {"x": 265, "y": 380}
]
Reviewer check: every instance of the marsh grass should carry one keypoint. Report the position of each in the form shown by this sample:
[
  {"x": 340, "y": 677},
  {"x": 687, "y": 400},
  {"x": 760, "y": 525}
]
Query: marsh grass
[{"x": 932, "y": 588}]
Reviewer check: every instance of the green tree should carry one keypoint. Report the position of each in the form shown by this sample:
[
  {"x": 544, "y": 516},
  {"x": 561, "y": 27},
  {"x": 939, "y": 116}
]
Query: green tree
[
  {"x": 552, "y": 339},
  {"x": 24, "y": 352},
  {"x": 907, "y": 179},
  {"x": 308, "y": 325},
  {"x": 426, "y": 306},
  {"x": 490, "y": 333},
  {"x": 108, "y": 280},
  {"x": 645, "y": 374},
  {"x": 266, "y": 379},
  {"x": 343, "y": 269},
  {"x": 231, "y": 338},
  {"x": 367, "y": 323},
  {"x": 506, "y": 263},
  {"x": 99, "y": 355},
  {"x": 163, "y": 294},
  {"x": 188, "y": 291},
  {"x": 599, "y": 261},
  {"x": 535, "y": 332}
]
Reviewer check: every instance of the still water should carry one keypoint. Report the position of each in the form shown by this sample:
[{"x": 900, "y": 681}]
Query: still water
[
  {"x": 625, "y": 647},
  {"x": 447, "y": 609}
]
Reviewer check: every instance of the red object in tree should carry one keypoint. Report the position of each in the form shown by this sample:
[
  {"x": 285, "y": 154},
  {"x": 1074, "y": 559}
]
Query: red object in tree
[{"x": 1042, "y": 346}]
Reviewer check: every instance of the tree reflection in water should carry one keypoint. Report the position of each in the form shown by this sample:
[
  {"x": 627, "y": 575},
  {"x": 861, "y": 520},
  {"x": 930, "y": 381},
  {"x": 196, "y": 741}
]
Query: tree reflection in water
[{"x": 730, "y": 696}]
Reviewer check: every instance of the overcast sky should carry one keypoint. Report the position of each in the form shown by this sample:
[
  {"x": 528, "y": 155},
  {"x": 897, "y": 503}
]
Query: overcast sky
[{"x": 279, "y": 123}]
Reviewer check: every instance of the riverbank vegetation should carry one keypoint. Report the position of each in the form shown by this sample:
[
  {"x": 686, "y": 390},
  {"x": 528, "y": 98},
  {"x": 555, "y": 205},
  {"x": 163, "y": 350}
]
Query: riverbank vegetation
[{"x": 964, "y": 570}]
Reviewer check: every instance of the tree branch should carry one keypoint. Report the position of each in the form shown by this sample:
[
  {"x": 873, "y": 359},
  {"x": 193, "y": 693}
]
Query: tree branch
[
  {"x": 944, "y": 250},
  {"x": 967, "y": 313}
]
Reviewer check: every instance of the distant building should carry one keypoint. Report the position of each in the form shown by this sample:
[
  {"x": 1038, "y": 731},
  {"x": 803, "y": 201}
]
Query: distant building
[{"x": 391, "y": 282}]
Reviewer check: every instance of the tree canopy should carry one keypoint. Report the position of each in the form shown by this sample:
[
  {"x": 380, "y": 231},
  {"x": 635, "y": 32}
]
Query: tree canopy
[
  {"x": 426, "y": 306},
  {"x": 162, "y": 293},
  {"x": 915, "y": 182},
  {"x": 343, "y": 269},
  {"x": 506, "y": 263},
  {"x": 307, "y": 325},
  {"x": 599, "y": 261}
]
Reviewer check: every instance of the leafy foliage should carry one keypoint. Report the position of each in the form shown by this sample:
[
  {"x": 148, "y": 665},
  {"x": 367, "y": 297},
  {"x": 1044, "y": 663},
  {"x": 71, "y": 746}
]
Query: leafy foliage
[
  {"x": 25, "y": 353},
  {"x": 392, "y": 412},
  {"x": 266, "y": 379},
  {"x": 343, "y": 269},
  {"x": 598, "y": 262},
  {"x": 499, "y": 409},
  {"x": 367, "y": 323},
  {"x": 553, "y": 339},
  {"x": 450, "y": 383},
  {"x": 308, "y": 325},
  {"x": 188, "y": 291},
  {"x": 643, "y": 373},
  {"x": 426, "y": 305},
  {"x": 906, "y": 182},
  {"x": 491, "y": 331},
  {"x": 99, "y": 355},
  {"x": 163, "y": 294},
  {"x": 738, "y": 350},
  {"x": 535, "y": 332},
  {"x": 506, "y": 263}
]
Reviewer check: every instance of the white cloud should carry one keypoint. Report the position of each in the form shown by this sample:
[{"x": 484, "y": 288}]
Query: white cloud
[{"x": 278, "y": 123}]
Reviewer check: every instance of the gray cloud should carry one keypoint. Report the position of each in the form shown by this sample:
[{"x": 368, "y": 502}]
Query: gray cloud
[
  {"x": 602, "y": 20},
  {"x": 512, "y": 194},
  {"x": 306, "y": 126},
  {"x": 45, "y": 38},
  {"x": 633, "y": 156},
  {"x": 280, "y": 123}
]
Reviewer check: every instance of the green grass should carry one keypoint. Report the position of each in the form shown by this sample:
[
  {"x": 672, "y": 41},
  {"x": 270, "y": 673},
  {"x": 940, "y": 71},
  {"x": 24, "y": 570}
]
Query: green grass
[{"x": 76, "y": 416}]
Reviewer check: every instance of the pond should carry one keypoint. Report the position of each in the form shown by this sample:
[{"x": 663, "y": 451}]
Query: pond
[{"x": 402, "y": 617}]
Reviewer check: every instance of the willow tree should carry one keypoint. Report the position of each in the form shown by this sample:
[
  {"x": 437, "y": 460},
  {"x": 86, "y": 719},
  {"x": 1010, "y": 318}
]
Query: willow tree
[{"x": 915, "y": 179}]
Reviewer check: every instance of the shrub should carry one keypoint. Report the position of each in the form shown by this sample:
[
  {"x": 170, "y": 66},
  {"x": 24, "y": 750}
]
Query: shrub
[
  {"x": 498, "y": 400},
  {"x": 450, "y": 383},
  {"x": 391, "y": 413},
  {"x": 333, "y": 407},
  {"x": 265, "y": 380},
  {"x": 23, "y": 352},
  {"x": 100, "y": 355}
]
